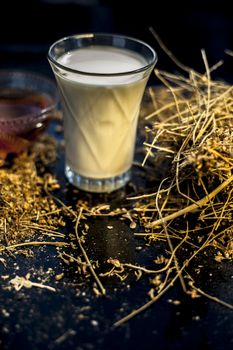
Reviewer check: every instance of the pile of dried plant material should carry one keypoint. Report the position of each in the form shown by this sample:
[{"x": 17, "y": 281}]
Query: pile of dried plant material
[
  {"x": 190, "y": 133},
  {"x": 26, "y": 212}
]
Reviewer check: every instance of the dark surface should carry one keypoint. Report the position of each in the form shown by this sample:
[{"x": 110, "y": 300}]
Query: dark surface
[
  {"x": 73, "y": 317},
  {"x": 35, "y": 318}
]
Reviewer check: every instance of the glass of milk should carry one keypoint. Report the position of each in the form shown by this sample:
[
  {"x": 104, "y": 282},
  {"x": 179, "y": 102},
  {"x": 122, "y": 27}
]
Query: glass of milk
[{"x": 101, "y": 78}]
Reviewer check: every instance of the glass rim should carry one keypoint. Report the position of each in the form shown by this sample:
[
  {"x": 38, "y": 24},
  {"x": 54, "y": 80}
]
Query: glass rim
[{"x": 107, "y": 35}]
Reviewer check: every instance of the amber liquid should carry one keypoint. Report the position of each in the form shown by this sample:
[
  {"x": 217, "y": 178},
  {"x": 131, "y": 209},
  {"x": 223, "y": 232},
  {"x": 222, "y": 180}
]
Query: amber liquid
[
  {"x": 20, "y": 118},
  {"x": 18, "y": 103}
]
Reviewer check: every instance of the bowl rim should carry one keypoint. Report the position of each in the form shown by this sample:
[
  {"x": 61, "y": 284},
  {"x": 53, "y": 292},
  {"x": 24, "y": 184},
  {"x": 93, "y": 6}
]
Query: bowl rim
[{"x": 42, "y": 114}]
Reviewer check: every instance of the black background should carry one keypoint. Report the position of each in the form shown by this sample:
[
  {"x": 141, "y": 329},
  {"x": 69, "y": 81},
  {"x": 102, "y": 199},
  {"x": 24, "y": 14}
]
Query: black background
[{"x": 28, "y": 27}]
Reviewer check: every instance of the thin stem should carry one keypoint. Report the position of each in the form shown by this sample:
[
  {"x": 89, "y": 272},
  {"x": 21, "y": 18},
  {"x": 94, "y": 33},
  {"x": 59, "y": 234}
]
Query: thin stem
[
  {"x": 103, "y": 290},
  {"x": 58, "y": 244},
  {"x": 193, "y": 206},
  {"x": 211, "y": 297},
  {"x": 168, "y": 52}
]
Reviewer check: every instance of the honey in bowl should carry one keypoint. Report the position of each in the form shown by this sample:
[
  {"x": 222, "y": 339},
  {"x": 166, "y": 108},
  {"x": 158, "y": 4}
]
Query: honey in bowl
[{"x": 27, "y": 104}]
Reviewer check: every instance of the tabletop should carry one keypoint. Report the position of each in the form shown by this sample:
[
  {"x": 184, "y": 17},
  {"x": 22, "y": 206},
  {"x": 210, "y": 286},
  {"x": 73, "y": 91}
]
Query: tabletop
[{"x": 74, "y": 317}]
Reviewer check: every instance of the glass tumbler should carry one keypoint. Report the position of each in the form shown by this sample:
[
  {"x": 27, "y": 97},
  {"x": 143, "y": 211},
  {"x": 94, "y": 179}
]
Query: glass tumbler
[{"x": 101, "y": 78}]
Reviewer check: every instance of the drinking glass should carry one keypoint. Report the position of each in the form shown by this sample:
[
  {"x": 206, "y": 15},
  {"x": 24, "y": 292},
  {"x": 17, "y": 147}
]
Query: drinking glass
[{"x": 101, "y": 78}]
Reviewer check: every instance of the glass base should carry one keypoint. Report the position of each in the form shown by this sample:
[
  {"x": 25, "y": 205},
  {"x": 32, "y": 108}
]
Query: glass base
[{"x": 97, "y": 185}]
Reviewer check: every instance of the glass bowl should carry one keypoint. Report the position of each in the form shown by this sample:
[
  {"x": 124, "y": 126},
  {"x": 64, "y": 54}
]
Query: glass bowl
[{"x": 28, "y": 101}]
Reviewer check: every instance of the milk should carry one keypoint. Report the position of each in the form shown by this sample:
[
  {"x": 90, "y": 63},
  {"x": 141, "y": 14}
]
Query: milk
[{"x": 100, "y": 112}]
